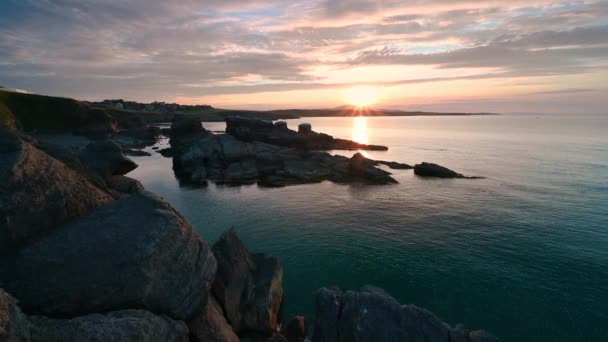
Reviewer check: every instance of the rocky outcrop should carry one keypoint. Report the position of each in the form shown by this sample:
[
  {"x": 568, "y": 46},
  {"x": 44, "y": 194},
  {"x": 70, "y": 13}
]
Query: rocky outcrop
[
  {"x": 370, "y": 314},
  {"x": 433, "y": 170},
  {"x": 210, "y": 325},
  {"x": 38, "y": 192},
  {"x": 106, "y": 158},
  {"x": 126, "y": 325},
  {"x": 250, "y": 129},
  {"x": 137, "y": 252},
  {"x": 14, "y": 326},
  {"x": 124, "y": 184},
  {"x": 248, "y": 286},
  {"x": 295, "y": 329},
  {"x": 199, "y": 155}
]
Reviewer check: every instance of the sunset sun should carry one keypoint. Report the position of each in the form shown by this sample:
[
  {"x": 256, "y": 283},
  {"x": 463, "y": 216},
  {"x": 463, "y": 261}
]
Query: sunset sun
[{"x": 362, "y": 96}]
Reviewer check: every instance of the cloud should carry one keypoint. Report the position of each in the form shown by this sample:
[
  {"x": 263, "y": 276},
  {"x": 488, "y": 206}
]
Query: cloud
[{"x": 145, "y": 49}]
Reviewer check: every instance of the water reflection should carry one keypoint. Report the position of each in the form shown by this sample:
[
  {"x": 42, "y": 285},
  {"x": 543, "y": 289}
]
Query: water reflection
[{"x": 360, "y": 130}]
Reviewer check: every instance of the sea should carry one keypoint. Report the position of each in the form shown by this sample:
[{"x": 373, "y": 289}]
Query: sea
[{"x": 522, "y": 253}]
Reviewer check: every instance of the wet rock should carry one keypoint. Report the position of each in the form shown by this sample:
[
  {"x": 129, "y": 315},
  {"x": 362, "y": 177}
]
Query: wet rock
[
  {"x": 370, "y": 314},
  {"x": 106, "y": 158},
  {"x": 166, "y": 152},
  {"x": 125, "y": 325},
  {"x": 394, "y": 165},
  {"x": 433, "y": 170},
  {"x": 248, "y": 286},
  {"x": 137, "y": 252},
  {"x": 38, "y": 192},
  {"x": 210, "y": 325},
  {"x": 14, "y": 325},
  {"x": 295, "y": 329}
]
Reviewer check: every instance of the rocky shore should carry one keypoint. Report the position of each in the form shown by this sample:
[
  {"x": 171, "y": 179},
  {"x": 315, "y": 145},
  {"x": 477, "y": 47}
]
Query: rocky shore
[
  {"x": 87, "y": 254},
  {"x": 247, "y": 155}
]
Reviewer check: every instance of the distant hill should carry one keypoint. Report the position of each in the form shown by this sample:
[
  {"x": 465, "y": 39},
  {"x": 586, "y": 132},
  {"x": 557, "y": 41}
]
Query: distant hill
[{"x": 38, "y": 112}]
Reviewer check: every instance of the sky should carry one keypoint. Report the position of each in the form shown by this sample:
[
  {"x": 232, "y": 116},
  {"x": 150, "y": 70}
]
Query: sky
[{"x": 445, "y": 55}]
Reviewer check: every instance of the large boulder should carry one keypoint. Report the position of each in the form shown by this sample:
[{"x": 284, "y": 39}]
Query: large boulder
[
  {"x": 14, "y": 325},
  {"x": 295, "y": 329},
  {"x": 106, "y": 157},
  {"x": 125, "y": 325},
  {"x": 38, "y": 192},
  {"x": 371, "y": 314},
  {"x": 137, "y": 252},
  {"x": 210, "y": 325},
  {"x": 248, "y": 286}
]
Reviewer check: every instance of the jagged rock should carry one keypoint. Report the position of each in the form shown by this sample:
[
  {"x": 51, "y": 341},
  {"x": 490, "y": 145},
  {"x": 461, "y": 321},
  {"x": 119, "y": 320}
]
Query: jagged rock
[
  {"x": 106, "y": 158},
  {"x": 210, "y": 325},
  {"x": 38, "y": 192},
  {"x": 250, "y": 129},
  {"x": 125, "y": 325},
  {"x": 394, "y": 165},
  {"x": 370, "y": 314},
  {"x": 137, "y": 252},
  {"x": 249, "y": 286},
  {"x": 328, "y": 307},
  {"x": 295, "y": 329},
  {"x": 14, "y": 325},
  {"x": 200, "y": 156}
]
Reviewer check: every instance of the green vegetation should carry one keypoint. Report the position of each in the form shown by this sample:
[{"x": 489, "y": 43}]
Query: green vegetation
[
  {"x": 46, "y": 113},
  {"x": 6, "y": 116}
]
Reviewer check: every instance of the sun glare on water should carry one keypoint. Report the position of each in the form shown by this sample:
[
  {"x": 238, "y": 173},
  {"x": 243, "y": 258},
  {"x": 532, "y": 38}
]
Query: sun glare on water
[{"x": 362, "y": 96}]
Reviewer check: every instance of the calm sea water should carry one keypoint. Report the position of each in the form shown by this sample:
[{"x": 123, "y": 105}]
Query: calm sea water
[{"x": 522, "y": 253}]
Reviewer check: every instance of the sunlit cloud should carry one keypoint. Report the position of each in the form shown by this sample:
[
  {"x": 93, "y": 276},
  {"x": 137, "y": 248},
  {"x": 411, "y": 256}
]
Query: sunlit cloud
[{"x": 270, "y": 54}]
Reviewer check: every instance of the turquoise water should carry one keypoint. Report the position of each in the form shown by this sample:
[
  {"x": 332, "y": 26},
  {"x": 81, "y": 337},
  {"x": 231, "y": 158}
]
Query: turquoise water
[{"x": 522, "y": 253}]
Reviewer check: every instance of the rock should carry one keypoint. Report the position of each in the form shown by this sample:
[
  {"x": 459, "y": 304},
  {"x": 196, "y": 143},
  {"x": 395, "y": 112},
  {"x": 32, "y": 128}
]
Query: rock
[
  {"x": 250, "y": 129},
  {"x": 202, "y": 156},
  {"x": 433, "y": 170},
  {"x": 211, "y": 325},
  {"x": 166, "y": 152},
  {"x": 482, "y": 336},
  {"x": 364, "y": 169},
  {"x": 136, "y": 253},
  {"x": 394, "y": 165},
  {"x": 328, "y": 308},
  {"x": 38, "y": 192},
  {"x": 106, "y": 158},
  {"x": 248, "y": 286},
  {"x": 14, "y": 325},
  {"x": 125, "y": 325},
  {"x": 304, "y": 128},
  {"x": 125, "y": 184},
  {"x": 370, "y": 314},
  {"x": 295, "y": 329},
  {"x": 277, "y": 338},
  {"x": 136, "y": 153}
]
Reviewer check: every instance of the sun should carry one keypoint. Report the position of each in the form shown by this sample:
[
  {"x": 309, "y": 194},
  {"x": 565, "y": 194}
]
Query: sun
[{"x": 362, "y": 96}]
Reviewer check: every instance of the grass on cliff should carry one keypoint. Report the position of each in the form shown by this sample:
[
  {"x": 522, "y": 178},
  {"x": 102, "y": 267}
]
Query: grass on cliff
[{"x": 45, "y": 113}]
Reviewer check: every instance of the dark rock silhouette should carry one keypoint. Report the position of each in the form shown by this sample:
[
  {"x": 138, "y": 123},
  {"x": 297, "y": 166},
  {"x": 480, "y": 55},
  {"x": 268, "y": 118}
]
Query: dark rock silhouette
[
  {"x": 250, "y": 129},
  {"x": 433, "y": 170},
  {"x": 371, "y": 314},
  {"x": 295, "y": 329}
]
